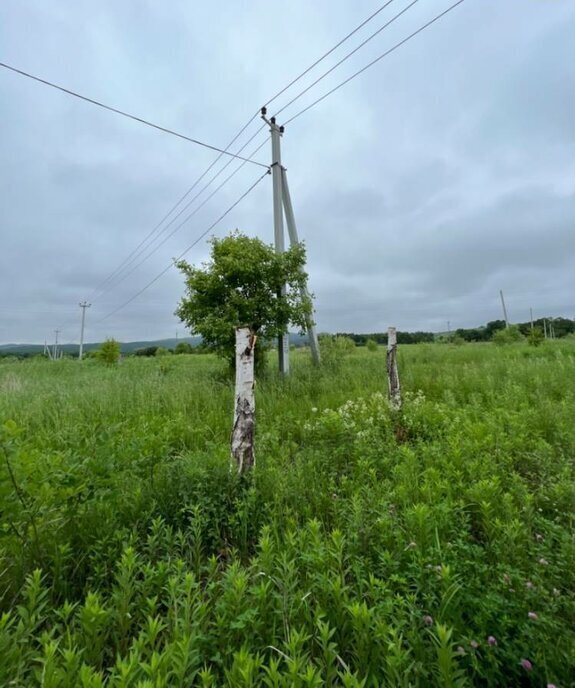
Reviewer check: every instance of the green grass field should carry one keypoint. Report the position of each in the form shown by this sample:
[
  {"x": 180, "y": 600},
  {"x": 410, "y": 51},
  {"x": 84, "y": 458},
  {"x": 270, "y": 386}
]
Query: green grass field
[{"x": 434, "y": 547}]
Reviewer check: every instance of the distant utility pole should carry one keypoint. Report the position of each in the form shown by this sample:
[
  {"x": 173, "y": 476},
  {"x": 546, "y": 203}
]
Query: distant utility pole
[
  {"x": 55, "y": 349},
  {"x": 282, "y": 203},
  {"x": 531, "y": 318},
  {"x": 83, "y": 306},
  {"x": 504, "y": 309},
  {"x": 544, "y": 328},
  {"x": 449, "y": 328}
]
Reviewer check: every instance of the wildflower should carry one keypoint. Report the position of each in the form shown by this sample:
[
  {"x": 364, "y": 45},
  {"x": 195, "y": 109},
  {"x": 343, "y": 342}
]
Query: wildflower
[
  {"x": 526, "y": 664},
  {"x": 539, "y": 537},
  {"x": 556, "y": 592},
  {"x": 491, "y": 640},
  {"x": 474, "y": 644},
  {"x": 529, "y": 585},
  {"x": 506, "y": 579},
  {"x": 428, "y": 620},
  {"x": 460, "y": 650},
  {"x": 532, "y": 616},
  {"x": 314, "y": 410},
  {"x": 412, "y": 545},
  {"x": 551, "y": 685},
  {"x": 543, "y": 561}
]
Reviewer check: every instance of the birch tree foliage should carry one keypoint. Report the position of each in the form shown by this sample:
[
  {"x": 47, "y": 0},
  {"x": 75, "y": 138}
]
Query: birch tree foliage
[{"x": 241, "y": 286}]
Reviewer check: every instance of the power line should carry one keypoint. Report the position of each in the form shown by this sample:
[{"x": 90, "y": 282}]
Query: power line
[
  {"x": 189, "y": 248},
  {"x": 329, "y": 52},
  {"x": 131, "y": 256},
  {"x": 346, "y": 57},
  {"x": 141, "y": 248},
  {"x": 186, "y": 219},
  {"x": 377, "y": 59},
  {"x": 127, "y": 114}
]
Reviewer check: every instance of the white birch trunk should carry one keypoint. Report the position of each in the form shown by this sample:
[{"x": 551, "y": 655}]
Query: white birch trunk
[
  {"x": 392, "y": 372},
  {"x": 242, "y": 443}
]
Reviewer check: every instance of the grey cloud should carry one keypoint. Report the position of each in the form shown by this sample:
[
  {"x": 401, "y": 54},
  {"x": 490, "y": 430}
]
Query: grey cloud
[{"x": 441, "y": 175}]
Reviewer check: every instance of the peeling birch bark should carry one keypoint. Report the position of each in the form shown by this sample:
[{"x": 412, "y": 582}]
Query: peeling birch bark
[
  {"x": 242, "y": 442},
  {"x": 392, "y": 372}
]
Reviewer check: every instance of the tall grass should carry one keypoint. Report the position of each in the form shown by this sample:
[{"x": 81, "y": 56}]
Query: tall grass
[{"x": 428, "y": 548}]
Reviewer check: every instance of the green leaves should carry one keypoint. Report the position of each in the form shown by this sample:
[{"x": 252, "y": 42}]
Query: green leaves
[{"x": 242, "y": 286}]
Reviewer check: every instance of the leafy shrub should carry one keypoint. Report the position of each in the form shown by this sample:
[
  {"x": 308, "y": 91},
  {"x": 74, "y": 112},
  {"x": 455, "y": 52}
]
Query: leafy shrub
[
  {"x": 535, "y": 337},
  {"x": 183, "y": 348},
  {"x": 109, "y": 352},
  {"x": 509, "y": 335}
]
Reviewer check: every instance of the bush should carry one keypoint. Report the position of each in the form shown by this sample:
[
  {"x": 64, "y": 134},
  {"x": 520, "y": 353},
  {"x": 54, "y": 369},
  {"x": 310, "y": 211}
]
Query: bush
[
  {"x": 510, "y": 335},
  {"x": 535, "y": 337},
  {"x": 109, "y": 352},
  {"x": 371, "y": 345},
  {"x": 334, "y": 349},
  {"x": 183, "y": 348}
]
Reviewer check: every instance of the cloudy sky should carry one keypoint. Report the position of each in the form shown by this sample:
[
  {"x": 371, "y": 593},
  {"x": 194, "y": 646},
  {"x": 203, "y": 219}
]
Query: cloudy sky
[{"x": 442, "y": 174}]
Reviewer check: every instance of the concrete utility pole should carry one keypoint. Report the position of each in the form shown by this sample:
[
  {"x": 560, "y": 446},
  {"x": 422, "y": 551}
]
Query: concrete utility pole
[
  {"x": 276, "y": 132},
  {"x": 531, "y": 318},
  {"x": 55, "y": 349},
  {"x": 504, "y": 309},
  {"x": 292, "y": 231},
  {"x": 282, "y": 203},
  {"x": 83, "y": 306}
]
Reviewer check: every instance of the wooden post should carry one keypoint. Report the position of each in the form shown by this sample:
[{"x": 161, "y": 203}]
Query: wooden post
[
  {"x": 242, "y": 443},
  {"x": 392, "y": 373}
]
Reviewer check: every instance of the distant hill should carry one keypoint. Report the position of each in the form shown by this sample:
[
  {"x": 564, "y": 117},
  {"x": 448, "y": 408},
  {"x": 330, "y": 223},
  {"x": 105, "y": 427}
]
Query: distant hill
[{"x": 125, "y": 347}]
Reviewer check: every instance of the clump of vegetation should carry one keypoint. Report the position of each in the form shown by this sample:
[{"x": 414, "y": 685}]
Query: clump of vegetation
[
  {"x": 109, "y": 352},
  {"x": 535, "y": 336},
  {"x": 242, "y": 287},
  {"x": 508, "y": 335},
  {"x": 130, "y": 555},
  {"x": 183, "y": 348},
  {"x": 162, "y": 351},
  {"x": 334, "y": 350},
  {"x": 371, "y": 345}
]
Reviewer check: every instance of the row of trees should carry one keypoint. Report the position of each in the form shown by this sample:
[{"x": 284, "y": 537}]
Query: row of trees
[{"x": 560, "y": 327}]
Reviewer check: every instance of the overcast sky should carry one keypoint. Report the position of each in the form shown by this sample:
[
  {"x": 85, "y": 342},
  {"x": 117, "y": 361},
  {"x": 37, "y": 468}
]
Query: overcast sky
[{"x": 442, "y": 174}]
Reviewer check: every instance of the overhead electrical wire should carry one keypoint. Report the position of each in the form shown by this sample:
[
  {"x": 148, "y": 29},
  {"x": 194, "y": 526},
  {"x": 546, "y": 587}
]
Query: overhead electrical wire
[
  {"x": 186, "y": 219},
  {"x": 225, "y": 151},
  {"x": 142, "y": 247},
  {"x": 185, "y": 251},
  {"x": 346, "y": 57},
  {"x": 126, "y": 114},
  {"x": 326, "y": 54},
  {"x": 128, "y": 260},
  {"x": 377, "y": 59},
  {"x": 135, "y": 252}
]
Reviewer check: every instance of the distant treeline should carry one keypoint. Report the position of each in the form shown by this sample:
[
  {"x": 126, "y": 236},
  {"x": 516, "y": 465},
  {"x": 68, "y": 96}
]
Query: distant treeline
[{"x": 556, "y": 327}]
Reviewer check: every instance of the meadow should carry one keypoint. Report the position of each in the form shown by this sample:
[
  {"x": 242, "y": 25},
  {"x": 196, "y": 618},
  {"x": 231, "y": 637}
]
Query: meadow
[{"x": 430, "y": 547}]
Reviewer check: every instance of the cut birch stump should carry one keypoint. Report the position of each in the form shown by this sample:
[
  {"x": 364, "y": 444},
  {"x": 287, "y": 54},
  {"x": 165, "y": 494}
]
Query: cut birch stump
[
  {"x": 392, "y": 372},
  {"x": 242, "y": 442}
]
